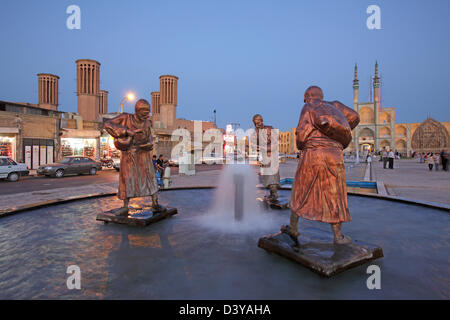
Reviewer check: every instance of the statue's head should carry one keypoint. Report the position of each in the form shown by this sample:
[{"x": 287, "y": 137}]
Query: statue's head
[
  {"x": 313, "y": 93},
  {"x": 258, "y": 121},
  {"x": 142, "y": 109}
]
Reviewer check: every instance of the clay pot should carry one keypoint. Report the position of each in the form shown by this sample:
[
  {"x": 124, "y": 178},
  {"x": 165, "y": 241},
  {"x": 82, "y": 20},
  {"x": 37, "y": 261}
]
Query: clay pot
[{"x": 123, "y": 144}]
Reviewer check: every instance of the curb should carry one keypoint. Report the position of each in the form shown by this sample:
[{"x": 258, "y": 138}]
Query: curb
[
  {"x": 13, "y": 210},
  {"x": 429, "y": 204}
]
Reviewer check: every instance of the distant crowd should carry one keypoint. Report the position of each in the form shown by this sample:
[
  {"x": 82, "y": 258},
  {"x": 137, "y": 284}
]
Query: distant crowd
[{"x": 436, "y": 160}]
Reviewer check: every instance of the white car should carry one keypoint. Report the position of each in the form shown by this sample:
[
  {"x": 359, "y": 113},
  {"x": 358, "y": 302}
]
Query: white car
[{"x": 11, "y": 170}]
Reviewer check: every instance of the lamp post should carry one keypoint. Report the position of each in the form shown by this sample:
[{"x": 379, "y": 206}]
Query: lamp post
[{"x": 129, "y": 97}]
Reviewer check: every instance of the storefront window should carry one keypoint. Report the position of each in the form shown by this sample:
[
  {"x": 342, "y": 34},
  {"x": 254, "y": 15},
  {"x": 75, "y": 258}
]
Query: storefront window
[
  {"x": 107, "y": 148},
  {"x": 78, "y": 147},
  {"x": 8, "y": 147}
]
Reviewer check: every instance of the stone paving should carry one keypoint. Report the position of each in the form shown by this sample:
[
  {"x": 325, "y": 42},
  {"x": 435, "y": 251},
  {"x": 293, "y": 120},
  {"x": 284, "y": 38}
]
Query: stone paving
[{"x": 411, "y": 179}]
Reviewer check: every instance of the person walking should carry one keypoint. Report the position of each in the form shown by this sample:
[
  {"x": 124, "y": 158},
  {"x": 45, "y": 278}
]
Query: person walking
[
  {"x": 429, "y": 160},
  {"x": 436, "y": 159},
  {"x": 384, "y": 156},
  {"x": 444, "y": 160},
  {"x": 160, "y": 165},
  {"x": 391, "y": 159}
]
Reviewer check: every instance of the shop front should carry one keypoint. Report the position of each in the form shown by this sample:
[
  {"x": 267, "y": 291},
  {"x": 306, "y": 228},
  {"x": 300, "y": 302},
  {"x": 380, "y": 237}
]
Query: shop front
[
  {"x": 107, "y": 147},
  {"x": 80, "y": 143},
  {"x": 8, "y": 146}
]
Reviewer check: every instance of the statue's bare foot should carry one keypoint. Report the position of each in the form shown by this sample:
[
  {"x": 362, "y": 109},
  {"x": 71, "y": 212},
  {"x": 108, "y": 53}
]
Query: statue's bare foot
[
  {"x": 123, "y": 212},
  {"x": 285, "y": 229},
  {"x": 343, "y": 240}
]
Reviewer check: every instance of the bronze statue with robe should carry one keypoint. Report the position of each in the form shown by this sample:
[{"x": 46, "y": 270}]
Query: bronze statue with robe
[
  {"x": 261, "y": 140},
  {"x": 133, "y": 136},
  {"x": 319, "y": 191}
]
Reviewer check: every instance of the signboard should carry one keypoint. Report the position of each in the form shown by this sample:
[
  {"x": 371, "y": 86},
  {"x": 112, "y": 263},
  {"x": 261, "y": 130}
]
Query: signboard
[
  {"x": 43, "y": 155},
  {"x": 28, "y": 156},
  {"x": 49, "y": 154},
  {"x": 35, "y": 157},
  {"x": 228, "y": 138}
]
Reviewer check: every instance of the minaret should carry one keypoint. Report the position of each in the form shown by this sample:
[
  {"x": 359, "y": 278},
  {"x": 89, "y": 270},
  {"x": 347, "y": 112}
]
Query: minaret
[
  {"x": 156, "y": 107},
  {"x": 48, "y": 91},
  {"x": 168, "y": 93},
  {"x": 355, "y": 89},
  {"x": 376, "y": 102},
  {"x": 88, "y": 89},
  {"x": 355, "y": 107}
]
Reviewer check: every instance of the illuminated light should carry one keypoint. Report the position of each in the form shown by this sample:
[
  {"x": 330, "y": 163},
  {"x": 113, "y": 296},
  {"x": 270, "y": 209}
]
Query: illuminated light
[{"x": 131, "y": 96}]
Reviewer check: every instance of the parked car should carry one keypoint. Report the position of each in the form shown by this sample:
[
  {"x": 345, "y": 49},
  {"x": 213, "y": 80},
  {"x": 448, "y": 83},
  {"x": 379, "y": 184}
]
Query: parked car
[
  {"x": 70, "y": 165},
  {"x": 12, "y": 170}
]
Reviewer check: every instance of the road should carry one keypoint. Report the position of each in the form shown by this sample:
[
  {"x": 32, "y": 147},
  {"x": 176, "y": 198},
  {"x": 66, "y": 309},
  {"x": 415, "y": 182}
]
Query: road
[{"x": 40, "y": 183}]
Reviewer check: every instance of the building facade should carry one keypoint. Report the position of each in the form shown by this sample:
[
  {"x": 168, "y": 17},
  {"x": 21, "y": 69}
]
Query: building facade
[
  {"x": 29, "y": 133},
  {"x": 38, "y": 133},
  {"x": 378, "y": 129}
]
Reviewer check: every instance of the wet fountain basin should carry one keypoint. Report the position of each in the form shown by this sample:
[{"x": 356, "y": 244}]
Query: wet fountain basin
[{"x": 181, "y": 258}]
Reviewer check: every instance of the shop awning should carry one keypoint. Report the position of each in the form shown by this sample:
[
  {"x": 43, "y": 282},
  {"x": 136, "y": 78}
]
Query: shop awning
[
  {"x": 9, "y": 130},
  {"x": 76, "y": 133}
]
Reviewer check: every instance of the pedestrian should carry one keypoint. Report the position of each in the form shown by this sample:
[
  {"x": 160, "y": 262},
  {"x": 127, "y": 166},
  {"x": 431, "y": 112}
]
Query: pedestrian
[
  {"x": 429, "y": 160},
  {"x": 444, "y": 160},
  {"x": 160, "y": 165},
  {"x": 154, "y": 161},
  {"x": 384, "y": 155},
  {"x": 422, "y": 158},
  {"x": 391, "y": 159},
  {"x": 436, "y": 159}
]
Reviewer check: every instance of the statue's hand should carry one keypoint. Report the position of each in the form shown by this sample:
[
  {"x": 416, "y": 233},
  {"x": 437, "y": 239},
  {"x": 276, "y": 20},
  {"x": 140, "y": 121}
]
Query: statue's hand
[
  {"x": 146, "y": 146},
  {"x": 132, "y": 132}
]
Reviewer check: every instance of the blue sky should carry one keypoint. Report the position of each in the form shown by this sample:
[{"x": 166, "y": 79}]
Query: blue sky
[{"x": 239, "y": 57}]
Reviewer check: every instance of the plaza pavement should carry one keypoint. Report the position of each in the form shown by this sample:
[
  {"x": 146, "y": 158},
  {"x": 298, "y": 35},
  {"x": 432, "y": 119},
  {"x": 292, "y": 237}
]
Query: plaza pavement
[{"x": 409, "y": 179}]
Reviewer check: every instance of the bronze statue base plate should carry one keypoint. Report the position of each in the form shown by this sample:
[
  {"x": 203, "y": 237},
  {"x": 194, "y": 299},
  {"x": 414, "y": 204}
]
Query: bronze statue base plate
[
  {"x": 317, "y": 252},
  {"x": 281, "y": 204},
  {"x": 137, "y": 216}
]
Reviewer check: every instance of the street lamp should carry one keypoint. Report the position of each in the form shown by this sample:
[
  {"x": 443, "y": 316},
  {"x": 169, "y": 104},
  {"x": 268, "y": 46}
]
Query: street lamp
[{"x": 130, "y": 97}]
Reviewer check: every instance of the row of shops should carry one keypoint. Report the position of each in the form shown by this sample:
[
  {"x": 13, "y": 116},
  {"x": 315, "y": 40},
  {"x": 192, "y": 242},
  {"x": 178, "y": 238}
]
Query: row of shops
[
  {"x": 32, "y": 135},
  {"x": 38, "y": 152}
]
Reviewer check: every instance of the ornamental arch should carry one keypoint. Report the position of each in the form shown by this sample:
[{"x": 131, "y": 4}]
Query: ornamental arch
[{"x": 430, "y": 136}]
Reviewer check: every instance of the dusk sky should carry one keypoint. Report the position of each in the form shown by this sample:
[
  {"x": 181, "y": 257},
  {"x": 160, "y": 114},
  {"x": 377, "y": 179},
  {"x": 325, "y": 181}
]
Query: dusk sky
[{"x": 238, "y": 57}]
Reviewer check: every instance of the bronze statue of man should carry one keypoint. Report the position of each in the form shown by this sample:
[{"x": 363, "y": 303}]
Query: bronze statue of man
[
  {"x": 319, "y": 191},
  {"x": 262, "y": 140},
  {"x": 133, "y": 136}
]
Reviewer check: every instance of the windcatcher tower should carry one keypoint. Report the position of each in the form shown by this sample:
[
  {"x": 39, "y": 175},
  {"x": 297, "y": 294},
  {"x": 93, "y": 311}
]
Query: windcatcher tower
[
  {"x": 48, "y": 91},
  {"x": 103, "y": 102},
  {"x": 156, "y": 107},
  {"x": 88, "y": 89},
  {"x": 168, "y": 94}
]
